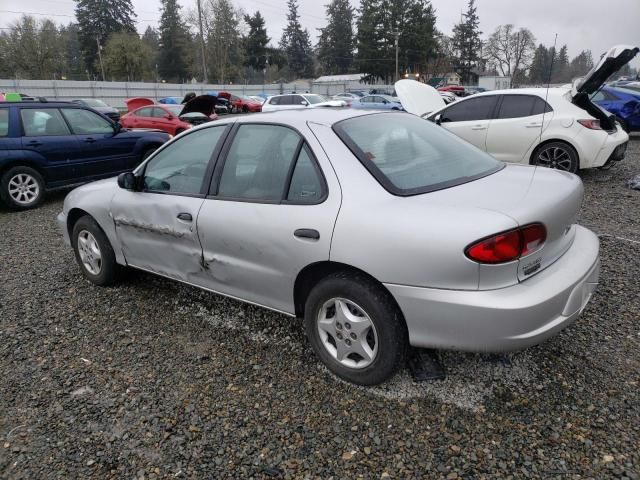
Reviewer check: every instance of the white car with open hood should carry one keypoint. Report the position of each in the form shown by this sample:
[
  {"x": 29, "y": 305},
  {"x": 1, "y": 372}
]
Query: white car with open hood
[{"x": 557, "y": 127}]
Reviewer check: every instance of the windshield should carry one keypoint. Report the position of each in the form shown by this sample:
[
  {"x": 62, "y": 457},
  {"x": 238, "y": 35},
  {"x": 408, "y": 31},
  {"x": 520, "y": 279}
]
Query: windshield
[
  {"x": 92, "y": 102},
  {"x": 313, "y": 99},
  {"x": 409, "y": 155}
]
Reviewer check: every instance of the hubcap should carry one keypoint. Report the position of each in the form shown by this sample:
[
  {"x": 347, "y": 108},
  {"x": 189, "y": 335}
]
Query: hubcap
[
  {"x": 347, "y": 333},
  {"x": 23, "y": 188},
  {"x": 555, "y": 157},
  {"x": 89, "y": 252}
]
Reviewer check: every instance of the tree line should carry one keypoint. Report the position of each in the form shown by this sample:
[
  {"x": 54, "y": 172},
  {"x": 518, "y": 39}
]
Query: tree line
[{"x": 236, "y": 47}]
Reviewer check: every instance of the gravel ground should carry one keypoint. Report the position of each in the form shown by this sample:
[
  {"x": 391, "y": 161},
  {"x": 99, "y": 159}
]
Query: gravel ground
[{"x": 151, "y": 379}]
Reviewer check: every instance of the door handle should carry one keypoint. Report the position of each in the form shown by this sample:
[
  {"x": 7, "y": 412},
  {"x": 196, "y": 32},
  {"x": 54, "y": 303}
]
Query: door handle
[
  {"x": 533, "y": 125},
  {"x": 309, "y": 233},
  {"x": 89, "y": 140},
  {"x": 479, "y": 127},
  {"x": 185, "y": 217},
  {"x": 34, "y": 143}
]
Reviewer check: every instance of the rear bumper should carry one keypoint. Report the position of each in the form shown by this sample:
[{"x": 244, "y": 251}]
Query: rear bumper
[
  {"x": 613, "y": 142},
  {"x": 504, "y": 319}
]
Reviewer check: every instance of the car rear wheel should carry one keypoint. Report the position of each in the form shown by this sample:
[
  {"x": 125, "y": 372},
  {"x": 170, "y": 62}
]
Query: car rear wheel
[
  {"x": 93, "y": 252},
  {"x": 21, "y": 188},
  {"x": 355, "y": 328},
  {"x": 245, "y": 109},
  {"x": 557, "y": 155}
]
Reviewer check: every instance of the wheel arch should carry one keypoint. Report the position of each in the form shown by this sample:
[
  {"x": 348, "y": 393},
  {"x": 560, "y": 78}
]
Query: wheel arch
[
  {"x": 23, "y": 162},
  {"x": 75, "y": 213},
  {"x": 310, "y": 275},
  {"x": 552, "y": 140}
]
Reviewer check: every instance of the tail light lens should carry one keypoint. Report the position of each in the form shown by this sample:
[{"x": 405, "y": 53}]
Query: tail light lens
[
  {"x": 590, "y": 124},
  {"x": 508, "y": 246}
]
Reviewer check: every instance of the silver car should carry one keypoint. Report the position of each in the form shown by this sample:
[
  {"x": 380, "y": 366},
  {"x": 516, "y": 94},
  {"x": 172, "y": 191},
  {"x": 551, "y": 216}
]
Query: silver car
[{"x": 380, "y": 229}]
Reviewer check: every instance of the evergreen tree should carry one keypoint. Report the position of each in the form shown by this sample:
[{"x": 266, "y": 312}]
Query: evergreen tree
[
  {"x": 173, "y": 57},
  {"x": 152, "y": 40},
  {"x": 537, "y": 72},
  {"x": 336, "y": 42},
  {"x": 296, "y": 44},
  {"x": 581, "y": 64},
  {"x": 561, "y": 72},
  {"x": 97, "y": 20},
  {"x": 73, "y": 62},
  {"x": 418, "y": 42},
  {"x": 467, "y": 43},
  {"x": 369, "y": 40},
  {"x": 224, "y": 43},
  {"x": 256, "y": 43}
]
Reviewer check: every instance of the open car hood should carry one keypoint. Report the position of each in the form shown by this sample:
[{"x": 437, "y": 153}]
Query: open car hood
[
  {"x": 134, "y": 103},
  {"x": 204, "y": 104},
  {"x": 418, "y": 98},
  {"x": 610, "y": 62}
]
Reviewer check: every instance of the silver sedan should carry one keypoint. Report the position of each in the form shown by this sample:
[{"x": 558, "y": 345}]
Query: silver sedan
[{"x": 382, "y": 230}]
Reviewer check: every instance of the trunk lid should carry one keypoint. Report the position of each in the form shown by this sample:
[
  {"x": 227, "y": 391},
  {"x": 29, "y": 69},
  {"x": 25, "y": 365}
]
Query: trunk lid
[
  {"x": 135, "y": 103},
  {"x": 204, "y": 104},
  {"x": 610, "y": 62},
  {"x": 418, "y": 98},
  {"x": 526, "y": 195}
]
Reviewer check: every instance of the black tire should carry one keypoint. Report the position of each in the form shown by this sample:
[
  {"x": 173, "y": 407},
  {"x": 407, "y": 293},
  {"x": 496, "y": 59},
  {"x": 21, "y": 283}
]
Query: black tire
[
  {"x": 34, "y": 182},
  {"x": 245, "y": 109},
  {"x": 569, "y": 159},
  {"x": 109, "y": 271},
  {"x": 392, "y": 338}
]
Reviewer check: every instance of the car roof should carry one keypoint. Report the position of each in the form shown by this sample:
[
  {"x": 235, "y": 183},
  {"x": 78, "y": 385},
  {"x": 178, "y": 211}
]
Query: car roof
[
  {"x": 35, "y": 103},
  {"x": 540, "y": 92},
  {"x": 298, "y": 117}
]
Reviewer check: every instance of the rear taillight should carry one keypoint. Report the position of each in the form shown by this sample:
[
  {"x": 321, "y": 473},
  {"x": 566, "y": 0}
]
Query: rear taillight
[
  {"x": 508, "y": 246},
  {"x": 590, "y": 124}
]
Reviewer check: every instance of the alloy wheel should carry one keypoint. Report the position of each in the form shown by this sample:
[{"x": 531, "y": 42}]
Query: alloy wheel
[
  {"x": 23, "y": 189},
  {"x": 555, "y": 157},
  {"x": 89, "y": 251},
  {"x": 347, "y": 333}
]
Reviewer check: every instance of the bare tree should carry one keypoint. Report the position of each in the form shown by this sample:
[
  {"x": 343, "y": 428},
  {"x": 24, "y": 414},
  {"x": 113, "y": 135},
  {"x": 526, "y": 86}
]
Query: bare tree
[{"x": 511, "y": 51}]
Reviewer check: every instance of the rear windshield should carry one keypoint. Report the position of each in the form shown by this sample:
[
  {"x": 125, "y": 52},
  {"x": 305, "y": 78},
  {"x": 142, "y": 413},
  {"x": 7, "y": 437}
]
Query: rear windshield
[{"x": 409, "y": 155}]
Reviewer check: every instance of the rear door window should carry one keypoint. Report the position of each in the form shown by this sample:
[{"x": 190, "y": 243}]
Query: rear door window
[
  {"x": 84, "y": 122},
  {"x": 479, "y": 108},
  {"x": 515, "y": 106},
  {"x": 144, "y": 112},
  {"x": 4, "y": 122},
  {"x": 43, "y": 122}
]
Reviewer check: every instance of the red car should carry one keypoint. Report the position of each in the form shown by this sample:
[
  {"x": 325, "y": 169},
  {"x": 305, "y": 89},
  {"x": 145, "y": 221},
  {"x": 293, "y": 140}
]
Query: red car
[
  {"x": 243, "y": 103},
  {"x": 173, "y": 119}
]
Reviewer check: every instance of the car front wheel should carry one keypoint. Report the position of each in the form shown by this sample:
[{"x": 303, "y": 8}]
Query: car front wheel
[
  {"x": 93, "y": 252},
  {"x": 355, "y": 328},
  {"x": 21, "y": 188}
]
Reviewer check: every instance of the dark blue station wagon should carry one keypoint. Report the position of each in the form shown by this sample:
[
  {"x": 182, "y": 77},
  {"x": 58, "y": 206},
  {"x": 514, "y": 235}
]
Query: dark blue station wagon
[{"x": 46, "y": 146}]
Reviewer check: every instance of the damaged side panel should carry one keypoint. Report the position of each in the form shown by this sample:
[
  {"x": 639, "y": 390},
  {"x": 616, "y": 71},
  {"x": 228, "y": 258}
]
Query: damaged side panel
[{"x": 156, "y": 234}]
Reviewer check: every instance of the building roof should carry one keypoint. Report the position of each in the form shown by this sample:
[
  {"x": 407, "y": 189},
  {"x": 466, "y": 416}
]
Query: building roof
[{"x": 351, "y": 77}]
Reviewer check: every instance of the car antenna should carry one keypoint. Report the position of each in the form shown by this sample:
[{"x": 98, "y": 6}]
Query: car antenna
[{"x": 546, "y": 95}]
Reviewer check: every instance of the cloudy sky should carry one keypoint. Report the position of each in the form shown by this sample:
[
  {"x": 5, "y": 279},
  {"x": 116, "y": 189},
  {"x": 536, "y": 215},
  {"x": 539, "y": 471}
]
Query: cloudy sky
[{"x": 581, "y": 24}]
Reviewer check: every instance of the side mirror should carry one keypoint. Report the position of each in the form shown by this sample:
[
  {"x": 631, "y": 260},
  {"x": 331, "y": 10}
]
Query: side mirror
[
  {"x": 167, "y": 116},
  {"x": 127, "y": 181},
  {"x": 117, "y": 128},
  {"x": 304, "y": 103},
  {"x": 438, "y": 119},
  {"x": 385, "y": 101}
]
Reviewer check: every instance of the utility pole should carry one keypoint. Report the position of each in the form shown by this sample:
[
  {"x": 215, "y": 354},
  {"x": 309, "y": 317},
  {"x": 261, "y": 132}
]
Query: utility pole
[
  {"x": 205, "y": 79},
  {"x": 397, "y": 35},
  {"x": 100, "y": 57}
]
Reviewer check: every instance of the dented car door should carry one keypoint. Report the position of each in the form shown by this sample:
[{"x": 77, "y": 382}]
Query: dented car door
[{"x": 156, "y": 222}]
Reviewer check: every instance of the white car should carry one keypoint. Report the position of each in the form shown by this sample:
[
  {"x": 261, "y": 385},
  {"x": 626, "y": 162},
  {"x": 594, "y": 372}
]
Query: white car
[
  {"x": 299, "y": 100},
  {"x": 557, "y": 127}
]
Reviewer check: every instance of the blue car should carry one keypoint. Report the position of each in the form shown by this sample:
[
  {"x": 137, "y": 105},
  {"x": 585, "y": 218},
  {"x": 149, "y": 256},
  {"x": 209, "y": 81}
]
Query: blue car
[
  {"x": 624, "y": 103},
  {"x": 378, "y": 102},
  {"x": 50, "y": 145}
]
